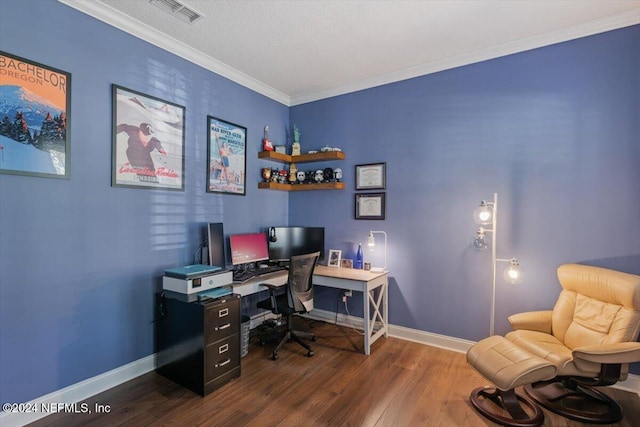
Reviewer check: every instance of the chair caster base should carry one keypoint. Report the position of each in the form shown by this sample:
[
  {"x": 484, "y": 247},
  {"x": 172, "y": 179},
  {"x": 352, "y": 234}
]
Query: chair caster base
[
  {"x": 310, "y": 353},
  {"x": 510, "y": 402},
  {"x": 274, "y": 356}
]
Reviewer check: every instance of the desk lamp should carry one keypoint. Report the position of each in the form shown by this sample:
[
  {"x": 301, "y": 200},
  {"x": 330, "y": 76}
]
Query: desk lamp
[
  {"x": 371, "y": 242},
  {"x": 487, "y": 214}
]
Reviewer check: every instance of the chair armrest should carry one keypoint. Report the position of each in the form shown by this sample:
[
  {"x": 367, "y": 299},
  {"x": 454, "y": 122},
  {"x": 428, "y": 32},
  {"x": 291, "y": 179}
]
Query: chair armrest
[
  {"x": 270, "y": 286},
  {"x": 624, "y": 352},
  {"x": 532, "y": 320}
]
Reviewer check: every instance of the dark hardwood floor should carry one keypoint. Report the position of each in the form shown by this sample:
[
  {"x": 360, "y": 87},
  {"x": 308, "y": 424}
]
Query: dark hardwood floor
[{"x": 400, "y": 384}]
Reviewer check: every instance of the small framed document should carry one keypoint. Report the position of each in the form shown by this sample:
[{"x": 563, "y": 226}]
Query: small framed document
[
  {"x": 370, "y": 206},
  {"x": 334, "y": 258},
  {"x": 371, "y": 176}
]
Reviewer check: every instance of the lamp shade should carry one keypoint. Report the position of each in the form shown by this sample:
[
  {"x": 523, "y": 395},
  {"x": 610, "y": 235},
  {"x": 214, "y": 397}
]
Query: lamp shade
[
  {"x": 371, "y": 241},
  {"x": 483, "y": 214},
  {"x": 513, "y": 272},
  {"x": 479, "y": 240}
]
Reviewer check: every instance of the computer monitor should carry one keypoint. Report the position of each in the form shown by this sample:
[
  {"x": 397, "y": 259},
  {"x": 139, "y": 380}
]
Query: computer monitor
[
  {"x": 247, "y": 248},
  {"x": 215, "y": 244},
  {"x": 284, "y": 242}
]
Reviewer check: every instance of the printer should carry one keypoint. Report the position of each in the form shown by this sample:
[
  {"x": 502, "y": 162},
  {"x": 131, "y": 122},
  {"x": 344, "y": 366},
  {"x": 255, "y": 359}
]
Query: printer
[{"x": 193, "y": 279}]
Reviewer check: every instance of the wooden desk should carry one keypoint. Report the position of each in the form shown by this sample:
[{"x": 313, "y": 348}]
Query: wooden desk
[{"x": 374, "y": 288}]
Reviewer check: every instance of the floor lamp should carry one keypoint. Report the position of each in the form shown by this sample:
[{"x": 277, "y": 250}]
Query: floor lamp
[
  {"x": 487, "y": 214},
  {"x": 371, "y": 242}
]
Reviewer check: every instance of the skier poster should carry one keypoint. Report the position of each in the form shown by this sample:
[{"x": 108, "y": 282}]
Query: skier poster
[
  {"x": 35, "y": 101},
  {"x": 148, "y": 141},
  {"x": 227, "y": 157}
]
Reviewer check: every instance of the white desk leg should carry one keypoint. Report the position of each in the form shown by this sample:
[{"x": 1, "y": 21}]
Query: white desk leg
[
  {"x": 367, "y": 322},
  {"x": 385, "y": 289}
]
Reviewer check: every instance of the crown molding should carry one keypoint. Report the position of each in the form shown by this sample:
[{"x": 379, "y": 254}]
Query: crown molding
[
  {"x": 143, "y": 31},
  {"x": 608, "y": 23},
  {"x": 140, "y": 30}
]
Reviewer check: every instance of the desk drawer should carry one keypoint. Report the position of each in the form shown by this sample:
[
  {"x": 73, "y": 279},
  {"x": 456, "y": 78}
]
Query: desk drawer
[
  {"x": 222, "y": 318},
  {"x": 221, "y": 357}
]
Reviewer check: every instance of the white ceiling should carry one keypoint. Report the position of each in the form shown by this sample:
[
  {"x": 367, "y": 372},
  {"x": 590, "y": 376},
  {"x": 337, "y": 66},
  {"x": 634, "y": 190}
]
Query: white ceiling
[{"x": 301, "y": 51}]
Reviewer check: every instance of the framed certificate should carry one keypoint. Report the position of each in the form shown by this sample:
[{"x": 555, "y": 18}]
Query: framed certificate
[
  {"x": 370, "y": 206},
  {"x": 371, "y": 176}
]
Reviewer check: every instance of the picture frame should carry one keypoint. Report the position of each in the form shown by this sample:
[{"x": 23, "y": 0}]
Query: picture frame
[
  {"x": 370, "y": 206},
  {"x": 226, "y": 157},
  {"x": 334, "y": 258},
  {"x": 371, "y": 176},
  {"x": 147, "y": 141},
  {"x": 35, "y": 118},
  {"x": 346, "y": 263}
]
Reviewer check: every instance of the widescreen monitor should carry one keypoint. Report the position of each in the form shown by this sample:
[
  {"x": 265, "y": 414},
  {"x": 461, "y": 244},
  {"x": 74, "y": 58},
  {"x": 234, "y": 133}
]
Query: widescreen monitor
[
  {"x": 247, "y": 248},
  {"x": 285, "y": 242}
]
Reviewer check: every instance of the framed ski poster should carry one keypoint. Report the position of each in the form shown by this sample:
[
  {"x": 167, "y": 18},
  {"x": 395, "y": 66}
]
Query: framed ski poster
[
  {"x": 147, "y": 141},
  {"x": 35, "y": 136}
]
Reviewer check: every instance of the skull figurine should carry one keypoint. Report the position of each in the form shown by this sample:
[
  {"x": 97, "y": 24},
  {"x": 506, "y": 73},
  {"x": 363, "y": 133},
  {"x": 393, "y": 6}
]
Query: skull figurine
[{"x": 301, "y": 175}]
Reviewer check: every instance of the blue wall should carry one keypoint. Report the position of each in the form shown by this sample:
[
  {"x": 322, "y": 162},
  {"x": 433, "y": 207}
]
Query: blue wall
[
  {"x": 79, "y": 260},
  {"x": 554, "y": 131}
]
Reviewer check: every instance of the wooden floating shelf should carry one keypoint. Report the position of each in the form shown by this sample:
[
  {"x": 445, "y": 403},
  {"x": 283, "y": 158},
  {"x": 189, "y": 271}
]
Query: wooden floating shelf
[
  {"x": 301, "y": 187},
  {"x": 303, "y": 158}
]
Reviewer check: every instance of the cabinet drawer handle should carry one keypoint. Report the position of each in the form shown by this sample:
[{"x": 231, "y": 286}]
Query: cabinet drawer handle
[
  {"x": 223, "y": 348},
  {"x": 219, "y": 328},
  {"x": 226, "y": 362},
  {"x": 223, "y": 312}
]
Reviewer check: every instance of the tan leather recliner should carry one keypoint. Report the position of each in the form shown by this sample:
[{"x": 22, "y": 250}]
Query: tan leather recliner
[{"x": 590, "y": 337}]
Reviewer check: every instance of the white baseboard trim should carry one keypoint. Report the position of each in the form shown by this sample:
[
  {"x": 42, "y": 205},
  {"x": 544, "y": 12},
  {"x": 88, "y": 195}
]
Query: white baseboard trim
[
  {"x": 632, "y": 384},
  {"x": 83, "y": 390},
  {"x": 79, "y": 392}
]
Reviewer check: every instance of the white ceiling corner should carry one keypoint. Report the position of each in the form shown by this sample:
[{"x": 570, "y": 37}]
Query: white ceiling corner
[{"x": 301, "y": 51}]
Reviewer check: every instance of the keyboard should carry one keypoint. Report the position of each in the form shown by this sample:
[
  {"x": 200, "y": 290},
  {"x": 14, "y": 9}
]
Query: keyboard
[{"x": 244, "y": 275}]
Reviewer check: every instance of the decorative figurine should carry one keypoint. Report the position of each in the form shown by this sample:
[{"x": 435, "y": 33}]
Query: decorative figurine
[
  {"x": 302, "y": 176},
  {"x": 275, "y": 173},
  {"x": 266, "y": 174},
  {"x": 283, "y": 176},
  {"x": 295, "y": 147},
  {"x": 319, "y": 175},
  {"x": 292, "y": 173},
  {"x": 337, "y": 174},
  {"x": 311, "y": 177},
  {"x": 327, "y": 175},
  {"x": 266, "y": 144}
]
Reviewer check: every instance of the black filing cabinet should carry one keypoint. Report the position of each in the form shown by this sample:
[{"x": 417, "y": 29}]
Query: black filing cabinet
[{"x": 198, "y": 343}]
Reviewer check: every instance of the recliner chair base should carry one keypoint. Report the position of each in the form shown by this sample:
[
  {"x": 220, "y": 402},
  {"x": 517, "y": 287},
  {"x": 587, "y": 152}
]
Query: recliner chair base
[
  {"x": 574, "y": 401},
  {"x": 511, "y": 402}
]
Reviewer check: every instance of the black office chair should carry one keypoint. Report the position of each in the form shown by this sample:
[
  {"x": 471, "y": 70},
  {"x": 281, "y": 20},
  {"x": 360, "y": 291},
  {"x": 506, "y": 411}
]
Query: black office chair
[{"x": 297, "y": 299}]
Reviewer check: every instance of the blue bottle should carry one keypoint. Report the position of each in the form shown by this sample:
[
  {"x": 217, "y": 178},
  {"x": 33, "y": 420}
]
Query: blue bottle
[{"x": 359, "y": 258}]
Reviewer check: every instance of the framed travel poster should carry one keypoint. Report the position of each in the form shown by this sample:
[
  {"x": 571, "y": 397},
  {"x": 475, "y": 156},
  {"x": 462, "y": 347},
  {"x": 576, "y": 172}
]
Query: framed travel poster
[
  {"x": 226, "y": 159},
  {"x": 147, "y": 141},
  {"x": 35, "y": 136}
]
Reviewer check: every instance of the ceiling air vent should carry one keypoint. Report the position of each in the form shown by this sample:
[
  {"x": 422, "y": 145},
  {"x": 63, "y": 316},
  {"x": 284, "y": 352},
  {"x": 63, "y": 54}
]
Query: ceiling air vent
[{"x": 178, "y": 9}]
